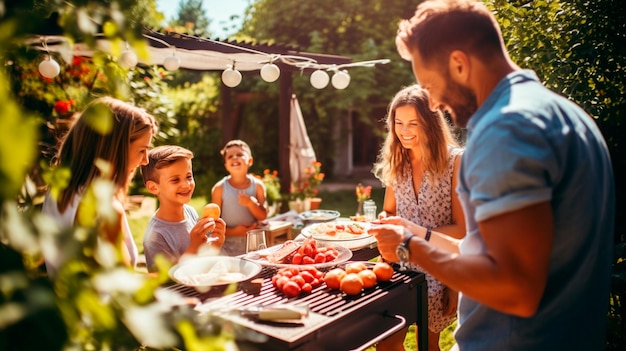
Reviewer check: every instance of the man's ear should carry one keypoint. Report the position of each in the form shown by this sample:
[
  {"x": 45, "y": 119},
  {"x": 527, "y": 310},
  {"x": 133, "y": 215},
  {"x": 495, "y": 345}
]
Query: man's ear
[
  {"x": 153, "y": 187},
  {"x": 459, "y": 66}
]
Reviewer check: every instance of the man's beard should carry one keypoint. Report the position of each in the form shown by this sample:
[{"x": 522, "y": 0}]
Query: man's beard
[{"x": 461, "y": 100}]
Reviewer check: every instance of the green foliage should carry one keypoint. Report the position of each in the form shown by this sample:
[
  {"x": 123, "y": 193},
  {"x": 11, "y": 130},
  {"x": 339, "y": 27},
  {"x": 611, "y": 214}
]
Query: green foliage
[
  {"x": 93, "y": 302},
  {"x": 577, "y": 49},
  {"x": 198, "y": 120},
  {"x": 362, "y": 30},
  {"x": 191, "y": 19}
]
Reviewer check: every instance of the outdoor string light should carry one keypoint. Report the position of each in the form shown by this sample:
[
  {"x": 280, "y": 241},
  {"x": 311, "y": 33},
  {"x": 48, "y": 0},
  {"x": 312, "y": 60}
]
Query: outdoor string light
[
  {"x": 266, "y": 64},
  {"x": 128, "y": 58},
  {"x": 341, "y": 79},
  {"x": 48, "y": 68},
  {"x": 270, "y": 72},
  {"x": 231, "y": 76},
  {"x": 172, "y": 62},
  {"x": 319, "y": 79}
]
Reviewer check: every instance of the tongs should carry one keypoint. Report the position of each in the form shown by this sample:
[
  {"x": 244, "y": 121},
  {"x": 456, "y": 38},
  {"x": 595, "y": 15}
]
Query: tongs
[{"x": 275, "y": 312}]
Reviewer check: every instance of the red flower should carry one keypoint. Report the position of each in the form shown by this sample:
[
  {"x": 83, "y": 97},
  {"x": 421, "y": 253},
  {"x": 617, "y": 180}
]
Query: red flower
[{"x": 63, "y": 106}]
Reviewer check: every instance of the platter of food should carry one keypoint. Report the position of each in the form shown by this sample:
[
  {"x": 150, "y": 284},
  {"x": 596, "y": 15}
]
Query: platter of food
[
  {"x": 350, "y": 234},
  {"x": 307, "y": 253},
  {"x": 208, "y": 271}
]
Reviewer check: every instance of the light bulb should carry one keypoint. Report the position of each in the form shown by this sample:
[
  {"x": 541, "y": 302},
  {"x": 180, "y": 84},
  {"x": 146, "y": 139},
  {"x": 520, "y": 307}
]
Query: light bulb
[
  {"x": 49, "y": 68},
  {"x": 341, "y": 79},
  {"x": 270, "y": 72},
  {"x": 171, "y": 63},
  {"x": 319, "y": 79},
  {"x": 128, "y": 59},
  {"x": 231, "y": 77}
]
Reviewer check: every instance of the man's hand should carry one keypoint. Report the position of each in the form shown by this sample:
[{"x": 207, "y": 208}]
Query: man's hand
[{"x": 389, "y": 237}]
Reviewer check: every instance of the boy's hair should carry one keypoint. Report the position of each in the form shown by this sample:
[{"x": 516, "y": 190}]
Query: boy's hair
[
  {"x": 161, "y": 157},
  {"x": 242, "y": 144}
]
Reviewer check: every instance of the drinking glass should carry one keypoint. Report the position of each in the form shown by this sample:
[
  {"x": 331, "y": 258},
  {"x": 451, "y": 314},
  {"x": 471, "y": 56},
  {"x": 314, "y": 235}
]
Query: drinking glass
[
  {"x": 369, "y": 210},
  {"x": 255, "y": 240}
]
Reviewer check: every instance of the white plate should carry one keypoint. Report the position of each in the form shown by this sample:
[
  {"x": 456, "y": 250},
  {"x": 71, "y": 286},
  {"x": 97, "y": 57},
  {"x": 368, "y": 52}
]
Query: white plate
[
  {"x": 344, "y": 255},
  {"x": 207, "y": 271},
  {"x": 342, "y": 238}
]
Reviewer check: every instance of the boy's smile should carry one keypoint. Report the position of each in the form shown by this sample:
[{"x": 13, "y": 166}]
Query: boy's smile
[{"x": 176, "y": 183}]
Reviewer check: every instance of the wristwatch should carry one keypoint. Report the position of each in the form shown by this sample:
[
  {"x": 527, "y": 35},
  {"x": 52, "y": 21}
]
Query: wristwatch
[{"x": 402, "y": 251}]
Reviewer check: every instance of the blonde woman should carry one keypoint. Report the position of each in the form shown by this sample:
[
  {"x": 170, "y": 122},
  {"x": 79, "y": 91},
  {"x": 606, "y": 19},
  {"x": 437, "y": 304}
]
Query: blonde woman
[{"x": 418, "y": 165}]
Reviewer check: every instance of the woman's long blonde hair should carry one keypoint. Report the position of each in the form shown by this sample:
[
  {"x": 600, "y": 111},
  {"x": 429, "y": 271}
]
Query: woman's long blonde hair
[
  {"x": 104, "y": 131},
  {"x": 394, "y": 160}
]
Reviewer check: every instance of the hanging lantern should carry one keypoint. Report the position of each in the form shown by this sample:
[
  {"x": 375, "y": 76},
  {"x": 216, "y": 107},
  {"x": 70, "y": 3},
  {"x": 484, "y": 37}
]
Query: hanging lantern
[
  {"x": 319, "y": 79},
  {"x": 341, "y": 80}
]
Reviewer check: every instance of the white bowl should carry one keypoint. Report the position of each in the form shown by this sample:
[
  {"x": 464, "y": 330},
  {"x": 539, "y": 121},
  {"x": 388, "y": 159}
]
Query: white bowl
[{"x": 208, "y": 271}]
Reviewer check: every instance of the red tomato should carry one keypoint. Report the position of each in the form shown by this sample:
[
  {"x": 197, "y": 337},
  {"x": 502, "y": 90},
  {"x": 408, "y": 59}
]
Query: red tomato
[
  {"x": 297, "y": 258},
  {"x": 320, "y": 258},
  {"x": 298, "y": 279},
  {"x": 280, "y": 282},
  {"x": 307, "y": 288},
  {"x": 309, "y": 251},
  {"x": 291, "y": 289},
  {"x": 308, "y": 277},
  {"x": 307, "y": 260}
]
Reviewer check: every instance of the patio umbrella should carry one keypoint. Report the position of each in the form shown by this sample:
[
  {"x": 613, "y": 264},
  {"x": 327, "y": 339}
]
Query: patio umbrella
[{"x": 301, "y": 153}]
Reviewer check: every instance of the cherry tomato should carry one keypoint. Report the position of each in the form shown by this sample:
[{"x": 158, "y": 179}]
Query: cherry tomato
[
  {"x": 297, "y": 258},
  {"x": 291, "y": 289},
  {"x": 320, "y": 258}
]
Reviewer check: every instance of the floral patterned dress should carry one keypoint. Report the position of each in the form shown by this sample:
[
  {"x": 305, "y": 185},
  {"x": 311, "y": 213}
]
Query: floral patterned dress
[{"x": 433, "y": 208}]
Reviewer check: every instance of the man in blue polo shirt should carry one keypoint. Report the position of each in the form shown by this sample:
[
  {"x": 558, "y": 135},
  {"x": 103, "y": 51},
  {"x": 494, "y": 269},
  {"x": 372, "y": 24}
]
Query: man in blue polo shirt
[{"x": 537, "y": 190}]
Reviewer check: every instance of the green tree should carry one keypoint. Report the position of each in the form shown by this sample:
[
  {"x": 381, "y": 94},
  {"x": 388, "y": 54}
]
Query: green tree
[{"x": 192, "y": 17}]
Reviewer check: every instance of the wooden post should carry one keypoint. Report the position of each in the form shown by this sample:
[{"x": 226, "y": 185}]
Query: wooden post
[{"x": 284, "y": 131}]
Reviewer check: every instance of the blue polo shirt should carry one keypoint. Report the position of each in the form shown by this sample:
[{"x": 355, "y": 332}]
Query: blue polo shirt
[{"x": 528, "y": 145}]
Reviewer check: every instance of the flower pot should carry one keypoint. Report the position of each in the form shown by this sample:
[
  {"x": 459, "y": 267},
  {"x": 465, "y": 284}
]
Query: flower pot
[{"x": 314, "y": 203}]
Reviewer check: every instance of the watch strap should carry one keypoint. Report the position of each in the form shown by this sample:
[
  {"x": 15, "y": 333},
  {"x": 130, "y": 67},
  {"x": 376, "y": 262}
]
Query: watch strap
[{"x": 429, "y": 231}]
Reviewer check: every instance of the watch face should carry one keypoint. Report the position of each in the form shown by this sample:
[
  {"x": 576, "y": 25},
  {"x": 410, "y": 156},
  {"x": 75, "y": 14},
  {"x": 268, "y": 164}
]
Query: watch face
[{"x": 402, "y": 253}]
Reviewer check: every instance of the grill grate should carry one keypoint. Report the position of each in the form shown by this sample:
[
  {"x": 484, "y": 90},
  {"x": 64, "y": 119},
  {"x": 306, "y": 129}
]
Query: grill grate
[{"x": 321, "y": 300}]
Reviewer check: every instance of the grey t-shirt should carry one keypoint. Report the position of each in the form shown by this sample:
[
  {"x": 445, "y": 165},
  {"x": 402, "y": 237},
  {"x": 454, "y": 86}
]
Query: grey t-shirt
[{"x": 168, "y": 238}]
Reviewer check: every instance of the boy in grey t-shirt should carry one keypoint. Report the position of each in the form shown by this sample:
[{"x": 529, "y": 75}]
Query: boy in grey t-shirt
[{"x": 175, "y": 230}]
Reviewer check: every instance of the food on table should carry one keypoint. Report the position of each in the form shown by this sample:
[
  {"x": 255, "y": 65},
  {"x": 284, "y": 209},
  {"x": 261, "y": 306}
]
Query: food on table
[
  {"x": 368, "y": 277},
  {"x": 353, "y": 271},
  {"x": 359, "y": 218},
  {"x": 339, "y": 230},
  {"x": 211, "y": 211},
  {"x": 305, "y": 253},
  {"x": 218, "y": 274},
  {"x": 292, "y": 281},
  {"x": 351, "y": 284},
  {"x": 383, "y": 271},
  {"x": 288, "y": 248},
  {"x": 355, "y": 267},
  {"x": 252, "y": 287},
  {"x": 333, "y": 278}
]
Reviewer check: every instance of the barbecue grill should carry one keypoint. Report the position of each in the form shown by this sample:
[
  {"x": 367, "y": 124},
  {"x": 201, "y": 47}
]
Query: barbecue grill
[{"x": 336, "y": 321}]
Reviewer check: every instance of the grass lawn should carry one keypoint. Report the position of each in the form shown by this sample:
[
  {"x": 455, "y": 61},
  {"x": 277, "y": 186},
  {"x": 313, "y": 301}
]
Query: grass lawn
[{"x": 343, "y": 201}]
